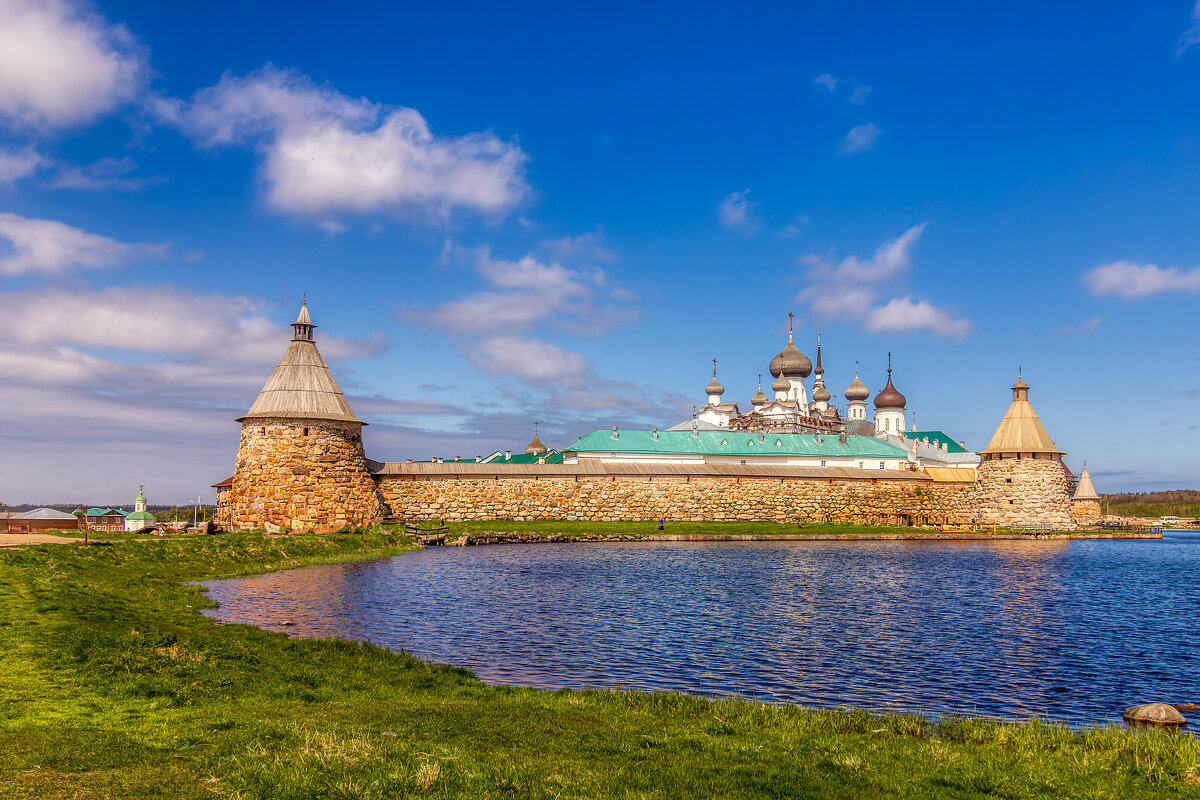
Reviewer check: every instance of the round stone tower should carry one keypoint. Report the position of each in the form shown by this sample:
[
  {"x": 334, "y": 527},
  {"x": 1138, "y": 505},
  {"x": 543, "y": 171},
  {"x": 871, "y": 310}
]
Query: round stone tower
[
  {"x": 300, "y": 464},
  {"x": 1022, "y": 481}
]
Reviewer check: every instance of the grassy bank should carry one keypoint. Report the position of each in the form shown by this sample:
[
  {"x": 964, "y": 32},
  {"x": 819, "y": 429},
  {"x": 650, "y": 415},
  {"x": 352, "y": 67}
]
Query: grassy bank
[{"x": 113, "y": 685}]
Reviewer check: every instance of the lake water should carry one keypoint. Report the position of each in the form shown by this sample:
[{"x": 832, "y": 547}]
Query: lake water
[{"x": 1075, "y": 631}]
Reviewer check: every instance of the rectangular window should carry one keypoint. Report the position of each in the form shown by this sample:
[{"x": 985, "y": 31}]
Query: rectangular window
[
  {"x": 881, "y": 465},
  {"x": 743, "y": 461},
  {"x": 822, "y": 463}
]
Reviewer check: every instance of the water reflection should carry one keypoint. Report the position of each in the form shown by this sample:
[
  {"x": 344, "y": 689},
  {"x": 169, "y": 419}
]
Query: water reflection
[{"x": 1015, "y": 628}]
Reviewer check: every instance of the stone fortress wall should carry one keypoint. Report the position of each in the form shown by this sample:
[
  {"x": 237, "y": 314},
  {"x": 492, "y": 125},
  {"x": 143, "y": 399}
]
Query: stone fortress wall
[{"x": 674, "y": 497}]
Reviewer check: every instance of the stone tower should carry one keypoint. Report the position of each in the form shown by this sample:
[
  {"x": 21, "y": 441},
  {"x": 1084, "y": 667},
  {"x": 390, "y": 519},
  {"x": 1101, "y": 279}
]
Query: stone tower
[
  {"x": 1085, "y": 503},
  {"x": 1022, "y": 480},
  {"x": 300, "y": 463}
]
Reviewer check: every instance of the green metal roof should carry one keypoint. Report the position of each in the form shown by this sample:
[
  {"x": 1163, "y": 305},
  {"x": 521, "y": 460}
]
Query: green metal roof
[
  {"x": 141, "y": 515},
  {"x": 552, "y": 457},
  {"x": 936, "y": 438},
  {"x": 102, "y": 512},
  {"x": 736, "y": 443}
]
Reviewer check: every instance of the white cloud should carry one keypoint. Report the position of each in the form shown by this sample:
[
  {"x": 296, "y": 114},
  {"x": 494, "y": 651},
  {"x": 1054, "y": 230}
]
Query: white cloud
[
  {"x": 1090, "y": 326},
  {"x": 739, "y": 214},
  {"x": 860, "y": 138},
  {"x": 107, "y": 173},
  {"x": 197, "y": 327},
  {"x": 827, "y": 80},
  {"x": 531, "y": 360},
  {"x": 860, "y": 94},
  {"x": 851, "y": 290},
  {"x": 903, "y": 315},
  {"x": 585, "y": 245},
  {"x": 43, "y": 246},
  {"x": 331, "y": 227},
  {"x": 1192, "y": 35},
  {"x": 17, "y": 164},
  {"x": 324, "y": 152},
  {"x": 526, "y": 293},
  {"x": 61, "y": 64},
  {"x": 1134, "y": 281}
]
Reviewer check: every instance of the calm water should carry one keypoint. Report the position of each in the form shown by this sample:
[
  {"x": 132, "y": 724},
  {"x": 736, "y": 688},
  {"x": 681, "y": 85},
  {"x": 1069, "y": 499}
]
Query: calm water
[{"x": 1071, "y": 630}]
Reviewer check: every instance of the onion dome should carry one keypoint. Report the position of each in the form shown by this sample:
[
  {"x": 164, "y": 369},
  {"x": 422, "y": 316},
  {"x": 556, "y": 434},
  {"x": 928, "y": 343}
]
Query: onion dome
[
  {"x": 821, "y": 394},
  {"x": 714, "y": 386},
  {"x": 791, "y": 363},
  {"x": 889, "y": 397},
  {"x": 535, "y": 447},
  {"x": 857, "y": 390},
  {"x": 759, "y": 398},
  {"x": 781, "y": 384}
]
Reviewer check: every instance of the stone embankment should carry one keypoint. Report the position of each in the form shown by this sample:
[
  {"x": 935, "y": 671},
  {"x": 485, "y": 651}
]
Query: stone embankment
[{"x": 524, "y": 537}]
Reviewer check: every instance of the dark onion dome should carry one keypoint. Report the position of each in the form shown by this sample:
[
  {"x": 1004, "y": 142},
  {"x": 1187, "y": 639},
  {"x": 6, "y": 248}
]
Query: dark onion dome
[
  {"x": 781, "y": 384},
  {"x": 857, "y": 390},
  {"x": 821, "y": 394},
  {"x": 889, "y": 397},
  {"x": 791, "y": 363},
  {"x": 759, "y": 398},
  {"x": 714, "y": 387}
]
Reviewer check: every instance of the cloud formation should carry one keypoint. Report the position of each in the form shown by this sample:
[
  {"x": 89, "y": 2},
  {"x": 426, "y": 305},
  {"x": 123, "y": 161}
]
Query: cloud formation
[
  {"x": 61, "y": 64},
  {"x": 17, "y": 164},
  {"x": 325, "y": 153},
  {"x": 738, "y": 213},
  {"x": 1132, "y": 281},
  {"x": 107, "y": 173},
  {"x": 852, "y": 290},
  {"x": 49, "y": 247},
  {"x": 1192, "y": 35},
  {"x": 860, "y": 138}
]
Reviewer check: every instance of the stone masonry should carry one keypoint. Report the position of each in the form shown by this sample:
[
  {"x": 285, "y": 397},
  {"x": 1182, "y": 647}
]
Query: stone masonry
[
  {"x": 1024, "y": 491},
  {"x": 301, "y": 475},
  {"x": 595, "y": 497},
  {"x": 1085, "y": 512}
]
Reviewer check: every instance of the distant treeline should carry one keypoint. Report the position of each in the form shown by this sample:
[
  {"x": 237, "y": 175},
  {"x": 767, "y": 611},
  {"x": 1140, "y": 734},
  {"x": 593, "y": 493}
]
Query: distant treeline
[
  {"x": 1182, "y": 503},
  {"x": 164, "y": 513}
]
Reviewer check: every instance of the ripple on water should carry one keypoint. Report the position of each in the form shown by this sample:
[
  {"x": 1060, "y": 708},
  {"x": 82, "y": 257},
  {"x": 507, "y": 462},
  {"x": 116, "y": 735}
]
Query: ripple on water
[{"x": 1011, "y": 628}]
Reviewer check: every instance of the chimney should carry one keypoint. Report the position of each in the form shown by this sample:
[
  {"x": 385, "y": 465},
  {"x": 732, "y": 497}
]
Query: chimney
[
  {"x": 654, "y": 434},
  {"x": 614, "y": 433},
  {"x": 508, "y": 455}
]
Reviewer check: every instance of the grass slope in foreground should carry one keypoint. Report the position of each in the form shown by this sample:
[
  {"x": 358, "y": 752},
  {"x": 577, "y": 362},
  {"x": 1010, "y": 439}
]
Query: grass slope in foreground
[{"x": 113, "y": 685}]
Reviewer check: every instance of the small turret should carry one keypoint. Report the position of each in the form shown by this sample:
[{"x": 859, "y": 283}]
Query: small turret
[{"x": 889, "y": 408}]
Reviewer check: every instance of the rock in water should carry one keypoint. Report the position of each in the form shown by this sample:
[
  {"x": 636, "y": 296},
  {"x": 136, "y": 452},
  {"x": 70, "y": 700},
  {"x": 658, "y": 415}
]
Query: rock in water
[{"x": 1157, "y": 713}]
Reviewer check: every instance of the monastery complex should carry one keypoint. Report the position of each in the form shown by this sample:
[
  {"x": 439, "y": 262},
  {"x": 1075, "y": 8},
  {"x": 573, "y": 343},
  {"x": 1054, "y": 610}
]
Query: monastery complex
[{"x": 792, "y": 457}]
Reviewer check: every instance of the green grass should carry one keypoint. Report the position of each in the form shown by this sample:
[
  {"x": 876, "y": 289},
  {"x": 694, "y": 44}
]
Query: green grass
[{"x": 113, "y": 685}]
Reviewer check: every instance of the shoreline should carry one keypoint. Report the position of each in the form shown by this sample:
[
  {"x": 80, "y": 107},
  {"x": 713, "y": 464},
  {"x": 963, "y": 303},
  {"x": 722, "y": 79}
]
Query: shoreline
[
  {"x": 105, "y": 648},
  {"x": 483, "y": 538}
]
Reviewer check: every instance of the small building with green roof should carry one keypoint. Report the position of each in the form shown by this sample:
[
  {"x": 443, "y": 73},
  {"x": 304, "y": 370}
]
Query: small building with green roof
[{"x": 140, "y": 518}]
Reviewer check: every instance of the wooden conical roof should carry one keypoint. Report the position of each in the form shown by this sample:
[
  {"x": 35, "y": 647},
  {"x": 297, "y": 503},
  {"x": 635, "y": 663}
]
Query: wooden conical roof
[
  {"x": 1085, "y": 490},
  {"x": 1021, "y": 431},
  {"x": 301, "y": 387}
]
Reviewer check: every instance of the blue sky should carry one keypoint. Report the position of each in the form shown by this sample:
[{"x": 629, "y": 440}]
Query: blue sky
[{"x": 539, "y": 212}]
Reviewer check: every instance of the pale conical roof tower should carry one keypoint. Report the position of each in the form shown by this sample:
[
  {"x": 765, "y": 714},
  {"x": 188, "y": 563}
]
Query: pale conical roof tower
[
  {"x": 302, "y": 387},
  {"x": 1021, "y": 431},
  {"x": 1085, "y": 490}
]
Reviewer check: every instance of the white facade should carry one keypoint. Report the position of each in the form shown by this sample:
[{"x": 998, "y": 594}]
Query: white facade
[{"x": 889, "y": 421}]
